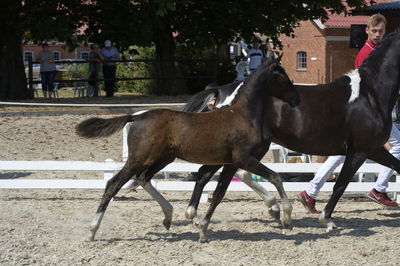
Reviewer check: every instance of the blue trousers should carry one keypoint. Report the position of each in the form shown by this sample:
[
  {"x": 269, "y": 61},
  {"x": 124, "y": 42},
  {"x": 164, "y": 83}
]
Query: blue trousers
[{"x": 48, "y": 80}]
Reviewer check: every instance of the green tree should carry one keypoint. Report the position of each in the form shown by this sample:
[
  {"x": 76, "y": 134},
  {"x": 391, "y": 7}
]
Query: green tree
[
  {"x": 31, "y": 20},
  {"x": 206, "y": 23}
]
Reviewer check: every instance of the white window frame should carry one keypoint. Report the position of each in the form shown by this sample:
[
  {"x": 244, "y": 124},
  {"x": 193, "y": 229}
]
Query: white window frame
[
  {"x": 54, "y": 52},
  {"x": 301, "y": 61},
  {"x": 84, "y": 52},
  {"x": 25, "y": 58}
]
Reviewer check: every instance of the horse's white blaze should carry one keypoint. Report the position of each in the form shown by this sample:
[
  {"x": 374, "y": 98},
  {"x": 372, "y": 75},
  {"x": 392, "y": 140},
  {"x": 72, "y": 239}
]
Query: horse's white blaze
[
  {"x": 354, "y": 84},
  {"x": 228, "y": 100}
]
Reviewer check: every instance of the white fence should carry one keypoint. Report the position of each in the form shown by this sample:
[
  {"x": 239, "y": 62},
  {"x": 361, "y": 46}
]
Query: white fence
[{"x": 109, "y": 167}]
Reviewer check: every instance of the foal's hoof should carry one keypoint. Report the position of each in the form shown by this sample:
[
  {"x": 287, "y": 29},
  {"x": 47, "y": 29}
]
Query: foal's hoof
[
  {"x": 203, "y": 240},
  {"x": 90, "y": 238},
  {"x": 274, "y": 212},
  {"x": 190, "y": 213},
  {"x": 167, "y": 223},
  {"x": 287, "y": 225}
]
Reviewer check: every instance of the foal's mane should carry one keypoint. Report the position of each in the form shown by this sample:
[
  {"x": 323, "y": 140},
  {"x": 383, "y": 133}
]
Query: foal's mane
[{"x": 254, "y": 77}]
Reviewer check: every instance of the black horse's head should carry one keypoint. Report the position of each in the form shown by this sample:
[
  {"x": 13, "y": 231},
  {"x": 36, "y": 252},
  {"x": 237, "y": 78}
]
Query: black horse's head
[{"x": 278, "y": 83}]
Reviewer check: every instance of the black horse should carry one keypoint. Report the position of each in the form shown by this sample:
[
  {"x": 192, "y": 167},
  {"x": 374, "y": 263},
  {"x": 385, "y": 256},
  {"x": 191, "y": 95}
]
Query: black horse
[
  {"x": 350, "y": 116},
  {"x": 230, "y": 136}
]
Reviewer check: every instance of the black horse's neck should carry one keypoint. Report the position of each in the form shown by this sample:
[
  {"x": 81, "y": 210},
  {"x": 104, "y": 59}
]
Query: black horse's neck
[{"x": 382, "y": 70}]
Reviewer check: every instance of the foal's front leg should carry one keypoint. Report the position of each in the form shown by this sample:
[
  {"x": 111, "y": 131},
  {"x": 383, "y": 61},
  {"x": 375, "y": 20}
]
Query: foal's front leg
[
  {"x": 269, "y": 198},
  {"x": 351, "y": 164},
  {"x": 204, "y": 175}
]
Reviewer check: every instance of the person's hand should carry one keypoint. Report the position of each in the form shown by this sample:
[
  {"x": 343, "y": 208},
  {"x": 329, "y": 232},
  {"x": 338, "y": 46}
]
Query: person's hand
[{"x": 387, "y": 146}]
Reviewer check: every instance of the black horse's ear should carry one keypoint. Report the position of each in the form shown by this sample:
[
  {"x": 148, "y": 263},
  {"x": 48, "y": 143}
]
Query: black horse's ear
[
  {"x": 276, "y": 61},
  {"x": 279, "y": 58}
]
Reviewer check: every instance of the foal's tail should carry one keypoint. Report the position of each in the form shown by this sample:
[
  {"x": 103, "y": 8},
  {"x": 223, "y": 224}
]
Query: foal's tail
[{"x": 100, "y": 127}]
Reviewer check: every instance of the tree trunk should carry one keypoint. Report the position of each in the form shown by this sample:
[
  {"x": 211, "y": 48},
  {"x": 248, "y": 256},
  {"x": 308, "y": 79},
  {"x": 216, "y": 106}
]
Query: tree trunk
[
  {"x": 13, "y": 83},
  {"x": 167, "y": 82}
]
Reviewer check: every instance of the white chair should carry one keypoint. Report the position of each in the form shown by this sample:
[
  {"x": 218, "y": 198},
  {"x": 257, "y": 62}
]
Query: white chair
[
  {"x": 54, "y": 93},
  {"x": 79, "y": 90},
  {"x": 241, "y": 70},
  {"x": 276, "y": 149},
  {"x": 37, "y": 87}
]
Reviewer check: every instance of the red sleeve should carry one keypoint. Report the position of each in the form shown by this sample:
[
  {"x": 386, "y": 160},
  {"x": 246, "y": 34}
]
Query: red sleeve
[{"x": 364, "y": 52}]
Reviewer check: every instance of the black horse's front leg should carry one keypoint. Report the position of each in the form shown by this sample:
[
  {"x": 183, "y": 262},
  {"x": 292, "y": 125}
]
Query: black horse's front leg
[
  {"x": 351, "y": 164},
  {"x": 203, "y": 176}
]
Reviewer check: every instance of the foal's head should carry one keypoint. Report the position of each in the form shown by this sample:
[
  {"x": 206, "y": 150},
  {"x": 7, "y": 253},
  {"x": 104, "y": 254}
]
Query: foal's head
[{"x": 272, "y": 76}]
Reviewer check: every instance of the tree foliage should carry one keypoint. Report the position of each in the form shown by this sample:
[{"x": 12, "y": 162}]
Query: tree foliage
[{"x": 205, "y": 23}]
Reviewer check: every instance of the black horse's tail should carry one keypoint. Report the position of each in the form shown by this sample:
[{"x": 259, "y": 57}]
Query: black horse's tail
[
  {"x": 199, "y": 101},
  {"x": 100, "y": 127}
]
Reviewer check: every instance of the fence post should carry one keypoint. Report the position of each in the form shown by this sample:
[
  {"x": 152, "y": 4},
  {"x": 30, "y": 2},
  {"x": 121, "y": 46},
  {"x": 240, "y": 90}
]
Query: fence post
[
  {"x": 108, "y": 174},
  {"x": 396, "y": 194},
  {"x": 125, "y": 142},
  {"x": 204, "y": 197},
  {"x": 30, "y": 74}
]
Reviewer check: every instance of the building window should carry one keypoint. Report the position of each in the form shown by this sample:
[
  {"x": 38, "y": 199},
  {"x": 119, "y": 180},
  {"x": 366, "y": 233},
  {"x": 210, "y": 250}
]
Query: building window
[
  {"x": 301, "y": 61},
  {"x": 85, "y": 55},
  {"x": 57, "y": 55},
  {"x": 27, "y": 55}
]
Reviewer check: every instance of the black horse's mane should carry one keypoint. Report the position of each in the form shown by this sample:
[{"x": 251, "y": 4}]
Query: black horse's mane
[
  {"x": 380, "y": 49},
  {"x": 199, "y": 100}
]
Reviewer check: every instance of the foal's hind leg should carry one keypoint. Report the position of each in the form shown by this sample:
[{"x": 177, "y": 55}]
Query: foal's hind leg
[
  {"x": 166, "y": 207},
  {"x": 351, "y": 164},
  {"x": 112, "y": 188},
  {"x": 252, "y": 165},
  {"x": 204, "y": 175}
]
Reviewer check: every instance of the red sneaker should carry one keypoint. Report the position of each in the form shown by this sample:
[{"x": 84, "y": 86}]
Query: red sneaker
[
  {"x": 308, "y": 202},
  {"x": 381, "y": 198}
]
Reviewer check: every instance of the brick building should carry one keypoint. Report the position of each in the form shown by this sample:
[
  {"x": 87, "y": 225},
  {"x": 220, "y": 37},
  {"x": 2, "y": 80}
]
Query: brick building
[
  {"x": 321, "y": 52},
  {"x": 59, "y": 49}
]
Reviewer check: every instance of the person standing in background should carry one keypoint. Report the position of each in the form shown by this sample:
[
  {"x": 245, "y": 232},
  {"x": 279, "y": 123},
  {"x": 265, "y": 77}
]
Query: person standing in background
[
  {"x": 109, "y": 53},
  {"x": 255, "y": 56},
  {"x": 95, "y": 59},
  {"x": 48, "y": 70}
]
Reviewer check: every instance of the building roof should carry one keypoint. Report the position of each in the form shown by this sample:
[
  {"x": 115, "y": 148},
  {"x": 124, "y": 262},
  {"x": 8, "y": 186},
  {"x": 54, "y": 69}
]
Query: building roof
[
  {"x": 341, "y": 21},
  {"x": 345, "y": 21},
  {"x": 380, "y": 6}
]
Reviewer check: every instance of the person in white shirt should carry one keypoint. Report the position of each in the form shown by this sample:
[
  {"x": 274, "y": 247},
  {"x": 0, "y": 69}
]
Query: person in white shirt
[{"x": 109, "y": 53}]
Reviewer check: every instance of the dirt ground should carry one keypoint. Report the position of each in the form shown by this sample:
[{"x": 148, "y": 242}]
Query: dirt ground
[{"x": 49, "y": 227}]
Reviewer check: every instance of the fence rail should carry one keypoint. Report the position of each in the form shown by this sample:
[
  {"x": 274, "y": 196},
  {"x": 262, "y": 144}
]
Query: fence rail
[{"x": 32, "y": 80}]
